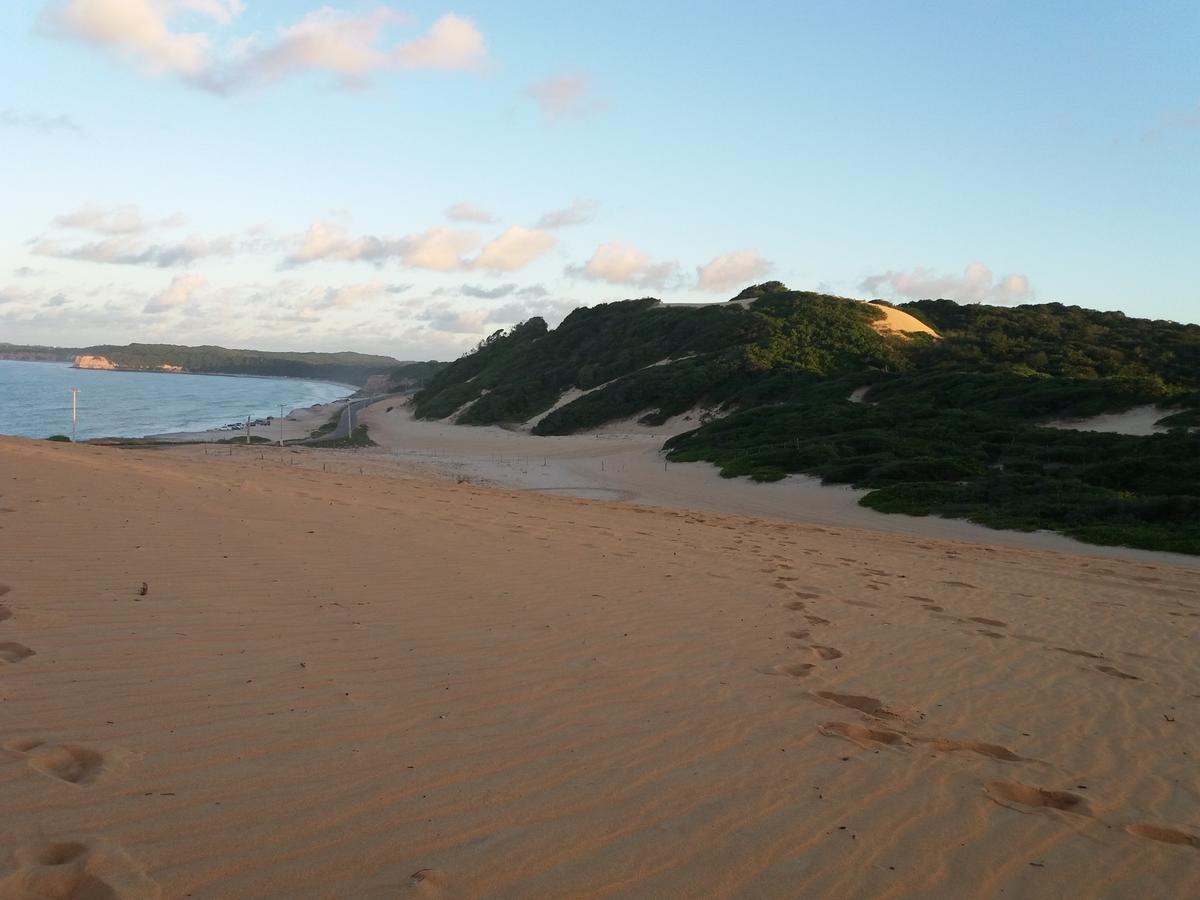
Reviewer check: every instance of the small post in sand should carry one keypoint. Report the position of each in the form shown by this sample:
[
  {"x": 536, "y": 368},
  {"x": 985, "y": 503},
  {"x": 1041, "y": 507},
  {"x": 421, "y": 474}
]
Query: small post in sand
[
  {"x": 247, "y": 431},
  {"x": 74, "y": 393}
]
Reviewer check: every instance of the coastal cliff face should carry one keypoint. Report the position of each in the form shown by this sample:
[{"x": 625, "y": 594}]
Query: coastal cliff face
[
  {"x": 93, "y": 362},
  {"x": 103, "y": 362}
]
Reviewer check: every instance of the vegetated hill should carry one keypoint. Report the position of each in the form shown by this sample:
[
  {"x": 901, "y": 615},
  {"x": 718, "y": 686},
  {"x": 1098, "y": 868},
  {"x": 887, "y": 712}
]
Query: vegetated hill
[
  {"x": 37, "y": 353},
  {"x": 411, "y": 376},
  {"x": 345, "y": 367},
  {"x": 952, "y": 425}
]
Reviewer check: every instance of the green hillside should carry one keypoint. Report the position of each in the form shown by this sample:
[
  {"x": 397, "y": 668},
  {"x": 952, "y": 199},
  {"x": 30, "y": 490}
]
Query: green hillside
[
  {"x": 348, "y": 368},
  {"x": 951, "y": 426}
]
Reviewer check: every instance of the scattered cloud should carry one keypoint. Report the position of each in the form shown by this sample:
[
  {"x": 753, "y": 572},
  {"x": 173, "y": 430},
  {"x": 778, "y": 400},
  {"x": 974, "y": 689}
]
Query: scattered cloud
[
  {"x": 439, "y": 249},
  {"x": 619, "y": 263},
  {"x": 27, "y": 272},
  {"x": 516, "y": 248},
  {"x": 176, "y": 294},
  {"x": 563, "y": 98},
  {"x": 11, "y": 118},
  {"x": 977, "y": 284},
  {"x": 468, "y": 290},
  {"x": 578, "y": 213},
  {"x": 129, "y": 251},
  {"x": 730, "y": 270},
  {"x": 445, "y": 317},
  {"x": 466, "y": 212},
  {"x": 116, "y": 220},
  {"x": 453, "y": 43},
  {"x": 349, "y": 46}
]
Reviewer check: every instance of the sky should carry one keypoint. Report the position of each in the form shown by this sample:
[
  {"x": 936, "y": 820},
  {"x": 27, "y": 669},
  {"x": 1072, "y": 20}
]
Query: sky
[{"x": 407, "y": 179}]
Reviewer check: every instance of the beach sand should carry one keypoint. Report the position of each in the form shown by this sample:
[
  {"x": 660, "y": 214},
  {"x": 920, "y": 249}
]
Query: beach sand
[{"x": 376, "y": 685}]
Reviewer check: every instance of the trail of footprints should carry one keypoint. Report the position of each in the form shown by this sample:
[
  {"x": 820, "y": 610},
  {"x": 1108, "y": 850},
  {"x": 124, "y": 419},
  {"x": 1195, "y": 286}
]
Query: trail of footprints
[
  {"x": 67, "y": 869},
  {"x": 875, "y": 735}
]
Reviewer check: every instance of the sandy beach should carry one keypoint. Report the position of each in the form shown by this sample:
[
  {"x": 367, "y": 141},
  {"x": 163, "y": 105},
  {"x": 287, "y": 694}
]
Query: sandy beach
[
  {"x": 368, "y": 685},
  {"x": 297, "y": 425}
]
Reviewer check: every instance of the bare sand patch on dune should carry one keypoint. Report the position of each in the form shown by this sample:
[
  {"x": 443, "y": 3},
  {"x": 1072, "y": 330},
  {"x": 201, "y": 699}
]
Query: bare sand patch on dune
[{"x": 370, "y": 685}]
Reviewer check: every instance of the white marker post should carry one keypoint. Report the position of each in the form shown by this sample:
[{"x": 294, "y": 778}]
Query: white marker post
[{"x": 74, "y": 393}]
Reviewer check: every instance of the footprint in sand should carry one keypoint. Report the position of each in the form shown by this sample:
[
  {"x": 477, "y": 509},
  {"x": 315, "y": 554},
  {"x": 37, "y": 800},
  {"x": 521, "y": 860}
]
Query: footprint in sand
[
  {"x": 795, "y": 605},
  {"x": 799, "y": 634},
  {"x": 994, "y": 751},
  {"x": 1015, "y": 795},
  {"x": 862, "y": 735},
  {"x": 429, "y": 882},
  {"x": 72, "y": 763},
  {"x": 816, "y": 620},
  {"x": 1080, "y": 653},
  {"x": 795, "y": 670},
  {"x": 1164, "y": 834},
  {"x": 5, "y": 613},
  {"x": 995, "y": 623},
  {"x": 991, "y": 634},
  {"x": 12, "y": 652},
  {"x": 1116, "y": 673},
  {"x": 59, "y": 870},
  {"x": 4, "y": 589},
  {"x": 868, "y": 705},
  {"x": 806, "y": 595},
  {"x": 827, "y": 653}
]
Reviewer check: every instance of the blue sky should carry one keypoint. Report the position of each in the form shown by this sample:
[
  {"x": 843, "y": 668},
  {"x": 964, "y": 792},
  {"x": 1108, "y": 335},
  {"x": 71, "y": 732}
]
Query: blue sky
[{"x": 407, "y": 179}]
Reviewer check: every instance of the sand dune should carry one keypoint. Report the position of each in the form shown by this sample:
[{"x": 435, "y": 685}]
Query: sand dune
[{"x": 369, "y": 685}]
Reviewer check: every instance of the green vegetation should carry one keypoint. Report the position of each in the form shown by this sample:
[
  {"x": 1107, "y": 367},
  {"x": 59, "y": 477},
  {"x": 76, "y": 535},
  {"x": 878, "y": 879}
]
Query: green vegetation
[
  {"x": 347, "y": 368},
  {"x": 36, "y": 353},
  {"x": 413, "y": 375},
  {"x": 241, "y": 439},
  {"x": 952, "y": 426},
  {"x": 59, "y": 437},
  {"x": 357, "y": 440},
  {"x": 322, "y": 430}
]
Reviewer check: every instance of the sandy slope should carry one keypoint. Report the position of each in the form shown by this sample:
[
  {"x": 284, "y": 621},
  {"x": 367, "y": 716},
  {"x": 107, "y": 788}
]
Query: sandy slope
[
  {"x": 341, "y": 685},
  {"x": 622, "y": 461},
  {"x": 1139, "y": 421}
]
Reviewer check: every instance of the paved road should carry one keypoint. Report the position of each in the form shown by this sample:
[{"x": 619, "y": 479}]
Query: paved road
[{"x": 349, "y": 415}]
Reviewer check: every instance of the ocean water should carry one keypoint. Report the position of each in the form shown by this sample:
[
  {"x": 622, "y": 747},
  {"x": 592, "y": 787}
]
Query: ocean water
[{"x": 35, "y": 400}]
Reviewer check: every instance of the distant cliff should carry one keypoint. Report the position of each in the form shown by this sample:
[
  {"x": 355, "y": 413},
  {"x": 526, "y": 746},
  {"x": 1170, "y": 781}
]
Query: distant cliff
[
  {"x": 86, "y": 361},
  {"x": 347, "y": 368}
]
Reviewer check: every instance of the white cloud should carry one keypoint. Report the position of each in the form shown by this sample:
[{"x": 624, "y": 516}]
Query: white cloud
[
  {"x": 467, "y": 212},
  {"x": 730, "y": 270},
  {"x": 176, "y": 294},
  {"x": 565, "y": 97},
  {"x": 578, "y": 213},
  {"x": 453, "y": 43},
  {"x": 11, "y": 118},
  {"x": 440, "y": 249},
  {"x": 619, "y": 263},
  {"x": 350, "y": 46},
  {"x": 977, "y": 284},
  {"x": 138, "y": 30},
  {"x": 127, "y": 250},
  {"x": 117, "y": 220},
  {"x": 444, "y": 317},
  {"x": 516, "y": 248}
]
